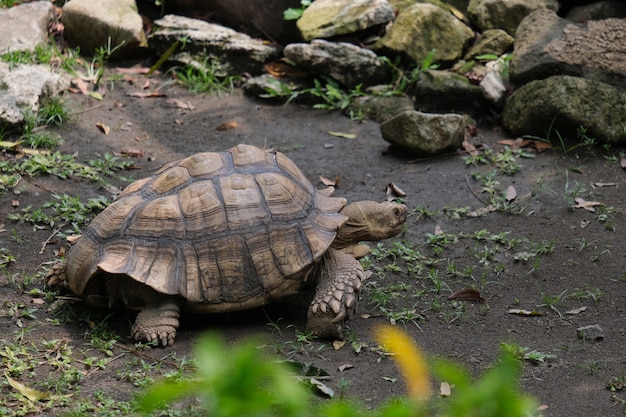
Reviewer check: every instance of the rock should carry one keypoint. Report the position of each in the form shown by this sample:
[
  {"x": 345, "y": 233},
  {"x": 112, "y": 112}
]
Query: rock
[
  {"x": 491, "y": 41},
  {"x": 23, "y": 88},
  {"x": 260, "y": 19},
  {"x": 547, "y": 45},
  {"x": 268, "y": 86},
  {"x": 418, "y": 29},
  {"x": 380, "y": 108},
  {"x": 505, "y": 14},
  {"x": 493, "y": 88},
  {"x": 235, "y": 53},
  {"x": 24, "y": 26},
  {"x": 348, "y": 64},
  {"x": 328, "y": 18},
  {"x": 424, "y": 134},
  {"x": 445, "y": 91},
  {"x": 593, "y": 332},
  {"x": 567, "y": 103},
  {"x": 597, "y": 11},
  {"x": 92, "y": 24}
]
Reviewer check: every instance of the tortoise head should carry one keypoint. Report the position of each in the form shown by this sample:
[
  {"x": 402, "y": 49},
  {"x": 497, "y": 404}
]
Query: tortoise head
[{"x": 370, "y": 221}]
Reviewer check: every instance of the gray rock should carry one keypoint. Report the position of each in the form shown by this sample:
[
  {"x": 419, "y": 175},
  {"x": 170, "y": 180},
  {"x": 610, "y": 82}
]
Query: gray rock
[
  {"x": 328, "y": 18},
  {"x": 505, "y": 14},
  {"x": 424, "y": 134},
  {"x": 547, "y": 45},
  {"x": 592, "y": 332},
  {"x": 597, "y": 10},
  {"x": 380, "y": 108},
  {"x": 23, "y": 88},
  {"x": 418, "y": 29},
  {"x": 491, "y": 41},
  {"x": 24, "y": 26},
  {"x": 493, "y": 87},
  {"x": 268, "y": 86},
  {"x": 445, "y": 91},
  {"x": 567, "y": 103},
  {"x": 91, "y": 24},
  {"x": 234, "y": 52},
  {"x": 348, "y": 64}
]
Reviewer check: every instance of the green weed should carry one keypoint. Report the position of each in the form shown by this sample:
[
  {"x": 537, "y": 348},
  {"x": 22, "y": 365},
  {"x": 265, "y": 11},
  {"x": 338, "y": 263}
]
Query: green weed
[{"x": 205, "y": 78}]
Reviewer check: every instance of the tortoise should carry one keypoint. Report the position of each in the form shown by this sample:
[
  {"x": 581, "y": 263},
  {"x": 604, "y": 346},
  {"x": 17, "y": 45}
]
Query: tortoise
[{"x": 224, "y": 231}]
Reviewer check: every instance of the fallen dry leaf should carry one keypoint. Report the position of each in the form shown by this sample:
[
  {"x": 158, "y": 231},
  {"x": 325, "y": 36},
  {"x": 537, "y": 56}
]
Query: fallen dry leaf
[
  {"x": 175, "y": 102},
  {"x": 80, "y": 86},
  {"x": 343, "y": 135},
  {"x": 520, "y": 312},
  {"x": 438, "y": 230},
  {"x": 345, "y": 366},
  {"x": 226, "y": 126},
  {"x": 511, "y": 194},
  {"x": 15, "y": 202},
  {"x": 27, "y": 392},
  {"x": 622, "y": 162},
  {"x": 103, "y": 128},
  {"x": 141, "y": 94},
  {"x": 338, "y": 344},
  {"x": 328, "y": 182},
  {"x": 71, "y": 239},
  {"x": 576, "y": 310},
  {"x": 467, "y": 294},
  {"x": 604, "y": 184},
  {"x": 146, "y": 85},
  {"x": 38, "y": 301},
  {"x": 132, "y": 70},
  {"x": 483, "y": 211},
  {"x": 584, "y": 223},
  {"x": 587, "y": 205},
  {"x": 283, "y": 70},
  {"x": 132, "y": 153},
  {"x": 469, "y": 148},
  {"x": 393, "y": 191}
]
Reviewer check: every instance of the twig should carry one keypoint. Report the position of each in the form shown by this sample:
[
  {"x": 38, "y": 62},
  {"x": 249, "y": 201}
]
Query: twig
[
  {"x": 472, "y": 191},
  {"x": 97, "y": 368},
  {"x": 54, "y": 233},
  {"x": 87, "y": 110}
]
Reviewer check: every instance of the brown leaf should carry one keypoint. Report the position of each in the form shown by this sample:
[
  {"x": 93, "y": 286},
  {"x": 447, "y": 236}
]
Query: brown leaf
[
  {"x": 226, "y": 126},
  {"x": 185, "y": 105},
  {"x": 604, "y": 184},
  {"x": 141, "y": 94},
  {"x": 345, "y": 366},
  {"x": 469, "y": 148},
  {"x": 338, "y": 344},
  {"x": 328, "y": 182},
  {"x": 343, "y": 135},
  {"x": 576, "y": 310},
  {"x": 15, "y": 202},
  {"x": 283, "y": 70},
  {"x": 510, "y": 193},
  {"x": 132, "y": 153},
  {"x": 146, "y": 85},
  {"x": 520, "y": 312},
  {"x": 103, "y": 128},
  {"x": 81, "y": 85},
  {"x": 393, "y": 192},
  {"x": 467, "y": 294},
  {"x": 37, "y": 301},
  {"x": 438, "y": 230},
  {"x": 133, "y": 70},
  {"x": 71, "y": 239},
  {"x": 587, "y": 205}
]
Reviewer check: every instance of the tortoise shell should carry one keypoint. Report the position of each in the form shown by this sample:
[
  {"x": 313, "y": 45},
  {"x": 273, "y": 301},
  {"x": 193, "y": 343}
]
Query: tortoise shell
[{"x": 225, "y": 231}]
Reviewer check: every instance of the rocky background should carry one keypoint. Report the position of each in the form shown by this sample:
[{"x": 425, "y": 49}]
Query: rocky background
[{"x": 424, "y": 69}]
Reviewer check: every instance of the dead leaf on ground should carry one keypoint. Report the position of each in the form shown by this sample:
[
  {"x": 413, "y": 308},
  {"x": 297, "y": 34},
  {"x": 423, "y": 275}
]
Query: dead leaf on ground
[
  {"x": 328, "y": 182},
  {"x": 604, "y": 184},
  {"x": 469, "y": 148},
  {"x": 141, "y": 94},
  {"x": 226, "y": 126},
  {"x": 175, "y": 102},
  {"x": 338, "y": 344},
  {"x": 584, "y": 223},
  {"x": 587, "y": 205},
  {"x": 283, "y": 70},
  {"x": 146, "y": 85},
  {"x": 132, "y": 70},
  {"x": 467, "y": 294},
  {"x": 322, "y": 388},
  {"x": 345, "y": 366},
  {"x": 30, "y": 393},
  {"x": 576, "y": 310},
  {"x": 78, "y": 85},
  {"x": 511, "y": 194},
  {"x": 622, "y": 162},
  {"x": 71, "y": 239},
  {"x": 519, "y": 143},
  {"x": 343, "y": 135},
  {"x": 103, "y": 128},
  {"x": 15, "y": 202},
  {"x": 521, "y": 312},
  {"x": 438, "y": 230},
  {"x": 483, "y": 211},
  {"x": 132, "y": 153},
  {"x": 393, "y": 192}
]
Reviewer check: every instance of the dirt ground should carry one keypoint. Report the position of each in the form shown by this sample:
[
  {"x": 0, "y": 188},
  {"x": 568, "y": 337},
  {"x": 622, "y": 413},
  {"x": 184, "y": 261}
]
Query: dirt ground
[{"x": 586, "y": 266}]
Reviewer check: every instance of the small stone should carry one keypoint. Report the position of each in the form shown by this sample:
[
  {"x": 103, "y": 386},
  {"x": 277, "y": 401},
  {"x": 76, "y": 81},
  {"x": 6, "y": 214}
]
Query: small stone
[{"x": 593, "y": 332}]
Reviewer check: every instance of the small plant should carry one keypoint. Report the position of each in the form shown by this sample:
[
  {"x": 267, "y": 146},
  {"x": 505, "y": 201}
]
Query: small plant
[
  {"x": 53, "y": 112},
  {"x": 295, "y": 13},
  {"x": 524, "y": 353},
  {"x": 207, "y": 77}
]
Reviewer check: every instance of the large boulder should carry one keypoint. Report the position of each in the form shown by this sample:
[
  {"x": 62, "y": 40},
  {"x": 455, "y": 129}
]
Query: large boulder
[
  {"x": 233, "y": 52},
  {"x": 547, "y": 45},
  {"x": 445, "y": 91},
  {"x": 564, "y": 104},
  {"x": 418, "y": 30},
  {"x": 597, "y": 10},
  {"x": 505, "y": 14},
  {"x": 348, "y": 64},
  {"x": 24, "y": 26},
  {"x": 93, "y": 24},
  {"x": 328, "y": 18}
]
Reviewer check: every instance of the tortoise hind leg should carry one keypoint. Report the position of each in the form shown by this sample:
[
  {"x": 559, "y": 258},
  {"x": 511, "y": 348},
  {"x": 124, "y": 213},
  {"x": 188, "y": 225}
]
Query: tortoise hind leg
[{"x": 336, "y": 295}]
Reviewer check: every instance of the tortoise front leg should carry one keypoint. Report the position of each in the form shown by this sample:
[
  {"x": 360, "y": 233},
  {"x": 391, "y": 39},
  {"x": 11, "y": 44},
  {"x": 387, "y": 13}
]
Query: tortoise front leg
[
  {"x": 157, "y": 322},
  {"x": 336, "y": 295}
]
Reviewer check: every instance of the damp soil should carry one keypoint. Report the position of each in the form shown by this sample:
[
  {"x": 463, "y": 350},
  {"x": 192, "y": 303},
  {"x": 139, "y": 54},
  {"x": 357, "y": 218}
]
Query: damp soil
[{"x": 588, "y": 255}]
